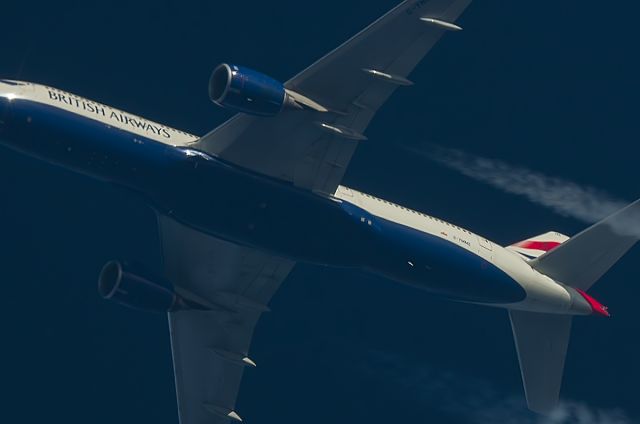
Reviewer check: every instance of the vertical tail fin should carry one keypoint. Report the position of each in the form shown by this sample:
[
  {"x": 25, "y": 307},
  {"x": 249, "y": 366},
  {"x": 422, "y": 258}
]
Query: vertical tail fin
[
  {"x": 539, "y": 245},
  {"x": 541, "y": 343}
]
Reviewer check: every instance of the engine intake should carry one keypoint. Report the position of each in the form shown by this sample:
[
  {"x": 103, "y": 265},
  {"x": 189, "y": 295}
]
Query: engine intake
[
  {"x": 245, "y": 90},
  {"x": 136, "y": 289}
]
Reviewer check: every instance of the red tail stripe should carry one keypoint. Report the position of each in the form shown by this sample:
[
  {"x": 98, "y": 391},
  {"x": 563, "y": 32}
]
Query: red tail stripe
[
  {"x": 597, "y": 307},
  {"x": 538, "y": 245}
]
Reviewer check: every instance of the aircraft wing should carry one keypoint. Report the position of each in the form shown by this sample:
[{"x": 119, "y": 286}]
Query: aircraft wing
[
  {"x": 312, "y": 149},
  {"x": 210, "y": 348}
]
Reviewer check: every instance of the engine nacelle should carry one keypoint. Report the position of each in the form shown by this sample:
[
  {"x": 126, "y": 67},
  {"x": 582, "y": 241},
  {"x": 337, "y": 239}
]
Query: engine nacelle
[
  {"x": 134, "y": 288},
  {"x": 245, "y": 90}
]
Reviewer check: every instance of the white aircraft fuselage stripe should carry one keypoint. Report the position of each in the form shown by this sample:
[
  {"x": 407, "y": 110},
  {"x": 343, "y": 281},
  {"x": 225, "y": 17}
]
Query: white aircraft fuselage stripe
[{"x": 101, "y": 113}]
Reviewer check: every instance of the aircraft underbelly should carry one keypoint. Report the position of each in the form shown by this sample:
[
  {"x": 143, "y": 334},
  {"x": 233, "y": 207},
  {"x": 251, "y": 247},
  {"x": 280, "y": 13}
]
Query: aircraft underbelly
[
  {"x": 441, "y": 267},
  {"x": 194, "y": 188}
]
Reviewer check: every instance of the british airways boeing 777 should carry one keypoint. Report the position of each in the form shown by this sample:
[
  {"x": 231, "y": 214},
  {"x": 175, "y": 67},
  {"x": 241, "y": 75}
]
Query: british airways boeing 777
[{"x": 271, "y": 197}]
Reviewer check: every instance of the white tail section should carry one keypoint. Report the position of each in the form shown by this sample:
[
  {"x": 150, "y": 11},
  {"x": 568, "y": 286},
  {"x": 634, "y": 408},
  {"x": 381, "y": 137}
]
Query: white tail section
[
  {"x": 538, "y": 245},
  {"x": 542, "y": 339}
]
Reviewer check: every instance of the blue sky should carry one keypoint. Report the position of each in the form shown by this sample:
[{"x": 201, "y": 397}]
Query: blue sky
[{"x": 548, "y": 86}]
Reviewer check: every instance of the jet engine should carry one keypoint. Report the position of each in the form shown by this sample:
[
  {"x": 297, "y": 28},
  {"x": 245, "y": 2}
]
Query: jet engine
[
  {"x": 244, "y": 90},
  {"x": 133, "y": 287}
]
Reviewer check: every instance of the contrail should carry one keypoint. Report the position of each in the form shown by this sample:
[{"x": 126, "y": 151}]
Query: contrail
[
  {"x": 566, "y": 198},
  {"x": 475, "y": 401}
]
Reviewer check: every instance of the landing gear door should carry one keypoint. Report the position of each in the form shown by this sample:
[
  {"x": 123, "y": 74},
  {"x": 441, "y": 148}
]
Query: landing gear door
[{"x": 486, "y": 244}]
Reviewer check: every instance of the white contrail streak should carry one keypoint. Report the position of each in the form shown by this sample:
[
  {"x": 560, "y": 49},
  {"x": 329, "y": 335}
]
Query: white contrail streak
[
  {"x": 564, "y": 197},
  {"x": 475, "y": 401}
]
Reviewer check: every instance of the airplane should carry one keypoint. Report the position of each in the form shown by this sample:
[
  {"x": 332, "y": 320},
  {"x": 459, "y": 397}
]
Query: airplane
[{"x": 270, "y": 196}]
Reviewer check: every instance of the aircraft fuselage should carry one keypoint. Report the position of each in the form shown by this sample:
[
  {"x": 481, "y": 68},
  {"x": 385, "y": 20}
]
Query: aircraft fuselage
[{"x": 348, "y": 229}]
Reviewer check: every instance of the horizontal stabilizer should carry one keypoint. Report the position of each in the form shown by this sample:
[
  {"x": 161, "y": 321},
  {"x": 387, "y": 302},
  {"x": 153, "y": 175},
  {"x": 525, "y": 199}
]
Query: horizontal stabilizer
[
  {"x": 583, "y": 259},
  {"x": 541, "y": 343}
]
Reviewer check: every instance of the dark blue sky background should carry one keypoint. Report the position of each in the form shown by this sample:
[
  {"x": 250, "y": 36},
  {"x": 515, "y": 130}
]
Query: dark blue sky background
[{"x": 549, "y": 85}]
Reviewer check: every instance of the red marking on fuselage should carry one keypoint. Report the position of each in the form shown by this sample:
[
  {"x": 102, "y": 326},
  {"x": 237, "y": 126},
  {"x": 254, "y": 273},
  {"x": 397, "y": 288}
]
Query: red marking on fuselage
[{"x": 538, "y": 245}]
